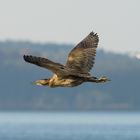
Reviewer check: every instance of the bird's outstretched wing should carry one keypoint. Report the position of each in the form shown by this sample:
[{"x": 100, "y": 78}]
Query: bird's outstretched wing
[
  {"x": 45, "y": 63},
  {"x": 82, "y": 57}
]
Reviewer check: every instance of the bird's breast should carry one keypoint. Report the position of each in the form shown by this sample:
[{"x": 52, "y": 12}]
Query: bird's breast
[{"x": 66, "y": 82}]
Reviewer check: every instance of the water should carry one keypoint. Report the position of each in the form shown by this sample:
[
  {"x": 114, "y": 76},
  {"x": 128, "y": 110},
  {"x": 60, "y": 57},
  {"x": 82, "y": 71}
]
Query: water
[{"x": 69, "y": 126}]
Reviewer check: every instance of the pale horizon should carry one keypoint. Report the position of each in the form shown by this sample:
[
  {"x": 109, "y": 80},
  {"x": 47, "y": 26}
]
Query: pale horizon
[{"x": 116, "y": 22}]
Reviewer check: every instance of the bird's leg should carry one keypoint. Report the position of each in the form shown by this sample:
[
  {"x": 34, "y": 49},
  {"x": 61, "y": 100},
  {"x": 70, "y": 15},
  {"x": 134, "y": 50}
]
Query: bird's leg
[{"x": 102, "y": 79}]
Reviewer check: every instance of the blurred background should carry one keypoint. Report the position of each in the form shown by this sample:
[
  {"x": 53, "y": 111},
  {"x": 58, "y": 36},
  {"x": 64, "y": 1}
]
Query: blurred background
[{"x": 50, "y": 28}]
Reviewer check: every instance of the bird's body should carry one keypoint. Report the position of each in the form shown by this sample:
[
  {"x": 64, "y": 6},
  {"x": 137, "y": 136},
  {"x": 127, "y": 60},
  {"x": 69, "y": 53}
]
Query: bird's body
[
  {"x": 76, "y": 71},
  {"x": 68, "y": 81}
]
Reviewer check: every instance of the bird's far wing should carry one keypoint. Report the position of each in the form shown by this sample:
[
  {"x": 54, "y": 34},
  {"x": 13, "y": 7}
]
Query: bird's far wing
[
  {"x": 45, "y": 63},
  {"x": 82, "y": 57}
]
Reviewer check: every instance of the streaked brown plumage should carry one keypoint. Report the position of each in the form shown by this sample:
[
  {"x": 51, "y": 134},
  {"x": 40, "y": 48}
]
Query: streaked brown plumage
[{"x": 76, "y": 71}]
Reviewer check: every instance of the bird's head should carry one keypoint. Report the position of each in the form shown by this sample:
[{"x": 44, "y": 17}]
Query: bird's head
[{"x": 42, "y": 82}]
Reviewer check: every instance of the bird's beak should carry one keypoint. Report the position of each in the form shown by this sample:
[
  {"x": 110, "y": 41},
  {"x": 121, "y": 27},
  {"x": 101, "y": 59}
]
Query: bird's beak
[
  {"x": 36, "y": 83},
  {"x": 41, "y": 82}
]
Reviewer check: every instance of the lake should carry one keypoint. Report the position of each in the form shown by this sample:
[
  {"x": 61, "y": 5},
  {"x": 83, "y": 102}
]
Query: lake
[{"x": 69, "y": 126}]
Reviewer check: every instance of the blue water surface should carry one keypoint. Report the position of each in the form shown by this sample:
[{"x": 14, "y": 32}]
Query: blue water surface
[{"x": 69, "y": 126}]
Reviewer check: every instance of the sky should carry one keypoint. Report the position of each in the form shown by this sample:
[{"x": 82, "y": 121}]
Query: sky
[{"x": 117, "y": 22}]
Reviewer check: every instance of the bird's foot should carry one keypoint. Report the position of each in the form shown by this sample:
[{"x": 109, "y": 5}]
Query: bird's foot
[{"x": 102, "y": 79}]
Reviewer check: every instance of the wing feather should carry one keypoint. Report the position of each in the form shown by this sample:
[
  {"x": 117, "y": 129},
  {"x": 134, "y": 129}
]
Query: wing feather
[
  {"x": 56, "y": 68},
  {"x": 82, "y": 57}
]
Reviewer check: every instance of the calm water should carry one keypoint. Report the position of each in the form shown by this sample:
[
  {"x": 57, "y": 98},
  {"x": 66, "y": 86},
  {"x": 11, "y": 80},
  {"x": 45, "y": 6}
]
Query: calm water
[{"x": 69, "y": 126}]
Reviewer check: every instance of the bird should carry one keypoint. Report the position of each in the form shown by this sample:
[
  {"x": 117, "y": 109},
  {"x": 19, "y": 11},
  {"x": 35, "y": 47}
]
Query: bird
[{"x": 77, "y": 68}]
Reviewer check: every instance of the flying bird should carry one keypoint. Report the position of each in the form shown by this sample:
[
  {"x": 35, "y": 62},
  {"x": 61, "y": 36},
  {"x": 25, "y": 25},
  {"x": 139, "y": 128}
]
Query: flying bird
[{"x": 77, "y": 68}]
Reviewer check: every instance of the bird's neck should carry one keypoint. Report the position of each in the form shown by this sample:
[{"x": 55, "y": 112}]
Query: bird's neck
[{"x": 54, "y": 81}]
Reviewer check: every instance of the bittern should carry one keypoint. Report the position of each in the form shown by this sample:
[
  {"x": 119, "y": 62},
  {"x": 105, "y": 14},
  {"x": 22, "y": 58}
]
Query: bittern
[{"x": 76, "y": 70}]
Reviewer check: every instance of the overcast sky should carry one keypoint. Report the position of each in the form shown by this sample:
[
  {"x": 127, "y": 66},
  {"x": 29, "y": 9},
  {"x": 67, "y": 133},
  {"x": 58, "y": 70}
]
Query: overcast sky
[{"x": 68, "y": 21}]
